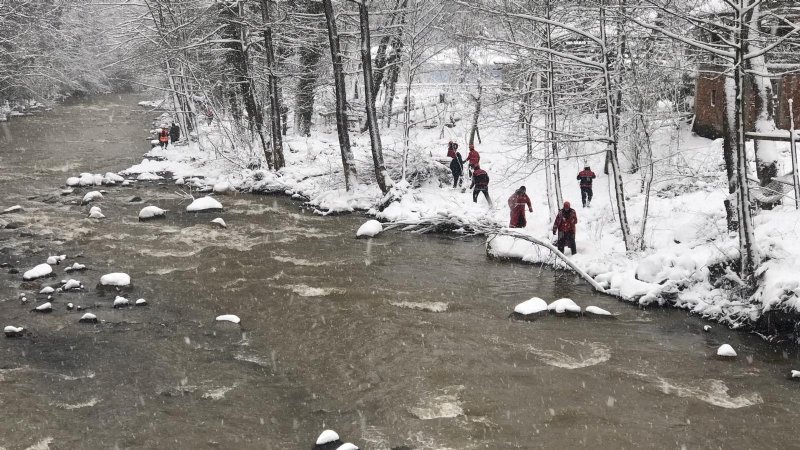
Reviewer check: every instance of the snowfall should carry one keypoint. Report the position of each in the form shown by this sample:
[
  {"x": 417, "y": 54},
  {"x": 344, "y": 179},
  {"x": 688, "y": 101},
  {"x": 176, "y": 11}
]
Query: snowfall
[{"x": 685, "y": 236}]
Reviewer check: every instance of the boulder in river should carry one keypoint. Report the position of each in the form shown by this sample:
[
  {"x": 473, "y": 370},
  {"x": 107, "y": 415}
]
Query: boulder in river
[
  {"x": 529, "y": 309},
  {"x": 370, "y": 228},
  {"x": 12, "y": 209},
  {"x": 564, "y": 306},
  {"x": 597, "y": 312},
  {"x": 121, "y": 302},
  {"x": 12, "y": 331},
  {"x": 219, "y": 222},
  {"x": 91, "y": 196},
  {"x": 117, "y": 279},
  {"x": 328, "y": 440},
  {"x": 725, "y": 350},
  {"x": 42, "y": 270},
  {"x": 88, "y": 318},
  {"x": 44, "y": 308},
  {"x": 204, "y": 204},
  {"x": 151, "y": 212},
  {"x": 228, "y": 318}
]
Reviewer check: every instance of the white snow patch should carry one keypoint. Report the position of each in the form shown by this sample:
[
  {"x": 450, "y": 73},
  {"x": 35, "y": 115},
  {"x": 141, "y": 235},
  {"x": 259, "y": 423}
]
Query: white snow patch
[
  {"x": 370, "y": 228},
  {"x": 204, "y": 204},
  {"x": 532, "y": 306},
  {"x": 327, "y": 436},
  {"x": 563, "y": 305},
  {"x": 436, "y": 307},
  {"x": 121, "y": 301},
  {"x": 115, "y": 279},
  {"x": 228, "y": 318},
  {"x": 42, "y": 270},
  {"x": 141, "y": 302},
  {"x": 44, "y": 307},
  {"x": 71, "y": 284},
  {"x": 726, "y": 350},
  {"x": 706, "y": 327},
  {"x": 597, "y": 311},
  {"x": 88, "y": 317},
  {"x": 112, "y": 178},
  {"x": 91, "y": 196},
  {"x": 147, "y": 176},
  {"x": 218, "y": 221},
  {"x": 11, "y": 329},
  {"x": 11, "y": 209},
  {"x": 47, "y": 290},
  {"x": 53, "y": 260},
  {"x": 795, "y": 373},
  {"x": 347, "y": 446},
  {"x": 74, "y": 267},
  {"x": 149, "y": 212}
]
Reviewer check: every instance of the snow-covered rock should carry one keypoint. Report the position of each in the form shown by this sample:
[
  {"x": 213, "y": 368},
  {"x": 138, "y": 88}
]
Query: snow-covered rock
[
  {"x": 53, "y": 260},
  {"x": 726, "y": 350},
  {"x": 532, "y": 306},
  {"x": 118, "y": 279},
  {"x": 47, "y": 290},
  {"x": 112, "y": 178},
  {"x": 795, "y": 374},
  {"x": 70, "y": 306},
  {"x": 597, "y": 311},
  {"x": 96, "y": 213},
  {"x": 564, "y": 305},
  {"x": 91, "y": 196},
  {"x": 73, "y": 181},
  {"x": 151, "y": 212},
  {"x": 347, "y": 446},
  {"x": 71, "y": 284},
  {"x": 42, "y": 270},
  {"x": 12, "y": 331},
  {"x": 327, "y": 437},
  {"x": 147, "y": 176},
  {"x": 706, "y": 327},
  {"x": 204, "y": 204},
  {"x": 141, "y": 302},
  {"x": 67, "y": 191},
  {"x": 44, "y": 307},
  {"x": 127, "y": 183},
  {"x": 120, "y": 302},
  {"x": 228, "y": 318},
  {"x": 88, "y": 318},
  {"x": 219, "y": 222},
  {"x": 15, "y": 208},
  {"x": 75, "y": 267},
  {"x": 370, "y": 228},
  {"x": 223, "y": 187}
]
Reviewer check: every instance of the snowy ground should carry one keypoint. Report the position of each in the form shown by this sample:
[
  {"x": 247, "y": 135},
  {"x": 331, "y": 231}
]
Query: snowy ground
[{"x": 685, "y": 236}]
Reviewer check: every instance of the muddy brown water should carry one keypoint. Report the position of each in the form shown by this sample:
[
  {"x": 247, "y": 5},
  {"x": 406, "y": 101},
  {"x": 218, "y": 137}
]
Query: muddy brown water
[{"x": 403, "y": 340}]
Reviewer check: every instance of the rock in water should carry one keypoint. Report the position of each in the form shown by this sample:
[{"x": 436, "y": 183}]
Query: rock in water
[
  {"x": 12, "y": 331},
  {"x": 42, "y": 270},
  {"x": 369, "y": 229},
  {"x": 147, "y": 176},
  {"x": 91, "y": 196},
  {"x": 706, "y": 327},
  {"x": 67, "y": 191},
  {"x": 74, "y": 267},
  {"x": 15, "y": 208},
  {"x": 594, "y": 310},
  {"x": 70, "y": 306},
  {"x": 564, "y": 305},
  {"x": 71, "y": 284},
  {"x": 117, "y": 279},
  {"x": 328, "y": 440},
  {"x": 228, "y": 318},
  {"x": 151, "y": 212},
  {"x": 726, "y": 350},
  {"x": 219, "y": 222},
  {"x": 347, "y": 446},
  {"x": 96, "y": 213},
  {"x": 121, "y": 302},
  {"x": 530, "y": 308},
  {"x": 47, "y": 290},
  {"x": 141, "y": 302},
  {"x": 204, "y": 204},
  {"x": 88, "y": 318},
  {"x": 44, "y": 308}
]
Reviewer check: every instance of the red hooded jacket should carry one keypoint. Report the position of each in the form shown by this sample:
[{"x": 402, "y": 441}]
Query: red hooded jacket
[
  {"x": 565, "y": 221},
  {"x": 473, "y": 157}
]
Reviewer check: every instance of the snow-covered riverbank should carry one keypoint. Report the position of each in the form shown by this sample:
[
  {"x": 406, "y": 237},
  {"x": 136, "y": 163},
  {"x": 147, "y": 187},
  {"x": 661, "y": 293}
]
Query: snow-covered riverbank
[{"x": 687, "y": 245}]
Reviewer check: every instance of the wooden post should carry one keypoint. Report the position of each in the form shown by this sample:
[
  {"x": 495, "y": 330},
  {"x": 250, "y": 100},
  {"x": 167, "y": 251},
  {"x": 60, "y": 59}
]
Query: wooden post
[{"x": 793, "y": 149}]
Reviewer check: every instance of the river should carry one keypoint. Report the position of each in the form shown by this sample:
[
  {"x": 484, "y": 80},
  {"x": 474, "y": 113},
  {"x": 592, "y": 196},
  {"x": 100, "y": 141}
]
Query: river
[{"x": 402, "y": 340}]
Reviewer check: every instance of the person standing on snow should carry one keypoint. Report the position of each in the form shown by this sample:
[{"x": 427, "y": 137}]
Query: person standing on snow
[
  {"x": 163, "y": 137},
  {"x": 480, "y": 183},
  {"x": 565, "y": 225},
  {"x": 517, "y": 202},
  {"x": 456, "y": 164},
  {"x": 473, "y": 158},
  {"x": 586, "y": 176},
  {"x": 174, "y": 133}
]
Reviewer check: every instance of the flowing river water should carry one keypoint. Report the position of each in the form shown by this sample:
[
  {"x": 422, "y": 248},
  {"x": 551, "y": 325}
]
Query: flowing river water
[{"x": 403, "y": 341}]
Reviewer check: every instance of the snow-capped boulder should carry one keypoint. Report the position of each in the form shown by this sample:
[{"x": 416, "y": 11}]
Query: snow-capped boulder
[
  {"x": 204, "y": 204},
  {"x": 47, "y": 290},
  {"x": 112, "y": 178},
  {"x": 11, "y": 209},
  {"x": 370, "y": 228},
  {"x": 96, "y": 213},
  {"x": 327, "y": 436},
  {"x": 91, "y": 196},
  {"x": 70, "y": 306},
  {"x": 44, "y": 308},
  {"x": 88, "y": 318},
  {"x": 71, "y": 284},
  {"x": 12, "y": 331},
  {"x": 530, "y": 308},
  {"x": 726, "y": 351},
  {"x": 219, "y": 222},
  {"x": 706, "y": 327},
  {"x": 67, "y": 191},
  {"x": 151, "y": 212},
  {"x": 53, "y": 260},
  {"x": 223, "y": 187},
  {"x": 42, "y": 270},
  {"x": 180, "y": 181},
  {"x": 117, "y": 279},
  {"x": 596, "y": 311},
  {"x": 794, "y": 374},
  {"x": 228, "y": 318},
  {"x": 564, "y": 305},
  {"x": 147, "y": 176},
  {"x": 347, "y": 446},
  {"x": 75, "y": 267},
  {"x": 121, "y": 302},
  {"x": 141, "y": 302},
  {"x": 73, "y": 181},
  {"x": 127, "y": 183}
]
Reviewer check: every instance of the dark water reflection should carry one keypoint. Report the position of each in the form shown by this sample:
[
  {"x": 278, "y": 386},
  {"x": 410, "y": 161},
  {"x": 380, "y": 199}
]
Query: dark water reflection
[{"x": 335, "y": 332}]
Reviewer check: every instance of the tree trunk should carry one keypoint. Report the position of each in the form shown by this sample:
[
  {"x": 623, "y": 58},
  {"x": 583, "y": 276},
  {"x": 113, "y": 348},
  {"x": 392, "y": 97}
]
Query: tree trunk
[
  {"x": 381, "y": 175},
  {"x": 729, "y": 154},
  {"x": 348, "y": 161},
  {"x": 476, "y": 115},
  {"x": 274, "y": 98},
  {"x": 309, "y": 56}
]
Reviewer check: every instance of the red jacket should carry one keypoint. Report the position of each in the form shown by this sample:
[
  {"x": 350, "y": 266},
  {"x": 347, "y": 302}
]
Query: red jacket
[
  {"x": 565, "y": 221},
  {"x": 480, "y": 179},
  {"x": 451, "y": 152},
  {"x": 517, "y": 203},
  {"x": 473, "y": 158},
  {"x": 586, "y": 177}
]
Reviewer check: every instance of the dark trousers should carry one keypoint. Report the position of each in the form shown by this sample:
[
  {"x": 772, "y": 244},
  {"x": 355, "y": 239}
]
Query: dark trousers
[
  {"x": 586, "y": 195},
  {"x": 566, "y": 240},
  {"x": 485, "y": 193},
  {"x": 457, "y": 180}
]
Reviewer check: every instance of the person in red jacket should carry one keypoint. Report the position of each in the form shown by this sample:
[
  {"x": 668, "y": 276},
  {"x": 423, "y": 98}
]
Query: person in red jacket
[
  {"x": 163, "y": 137},
  {"x": 480, "y": 183},
  {"x": 517, "y": 202},
  {"x": 452, "y": 148},
  {"x": 586, "y": 176},
  {"x": 473, "y": 158},
  {"x": 565, "y": 225}
]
